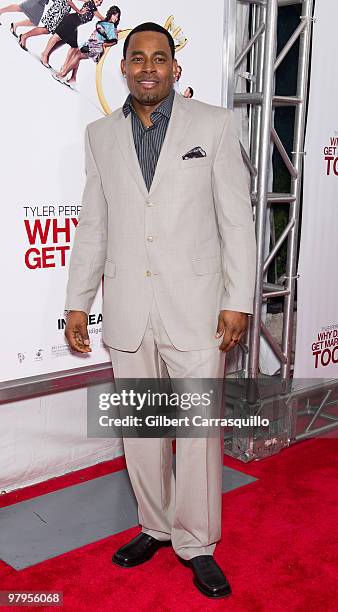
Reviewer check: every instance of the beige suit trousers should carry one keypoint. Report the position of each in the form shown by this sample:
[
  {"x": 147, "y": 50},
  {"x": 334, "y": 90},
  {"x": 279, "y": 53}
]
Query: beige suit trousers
[{"x": 187, "y": 509}]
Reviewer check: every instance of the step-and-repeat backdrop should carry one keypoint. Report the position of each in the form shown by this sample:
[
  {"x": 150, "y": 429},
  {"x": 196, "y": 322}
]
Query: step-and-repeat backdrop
[
  {"x": 42, "y": 169},
  {"x": 317, "y": 305}
]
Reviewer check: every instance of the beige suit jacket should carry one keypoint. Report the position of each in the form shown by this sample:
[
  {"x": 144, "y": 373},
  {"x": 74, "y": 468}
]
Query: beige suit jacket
[{"x": 189, "y": 241}]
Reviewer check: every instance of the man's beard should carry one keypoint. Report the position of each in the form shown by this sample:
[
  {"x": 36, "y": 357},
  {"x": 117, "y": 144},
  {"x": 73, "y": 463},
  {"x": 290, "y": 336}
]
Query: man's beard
[{"x": 149, "y": 98}]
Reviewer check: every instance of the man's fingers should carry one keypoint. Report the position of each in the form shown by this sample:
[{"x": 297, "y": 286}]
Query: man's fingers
[
  {"x": 220, "y": 327},
  {"x": 240, "y": 336},
  {"x": 226, "y": 342},
  {"x": 234, "y": 325},
  {"x": 76, "y": 342},
  {"x": 83, "y": 330},
  {"x": 230, "y": 339},
  {"x": 81, "y": 338},
  {"x": 77, "y": 333}
]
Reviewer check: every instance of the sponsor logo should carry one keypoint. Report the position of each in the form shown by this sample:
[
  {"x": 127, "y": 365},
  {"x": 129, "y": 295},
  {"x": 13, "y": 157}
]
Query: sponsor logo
[{"x": 59, "y": 350}]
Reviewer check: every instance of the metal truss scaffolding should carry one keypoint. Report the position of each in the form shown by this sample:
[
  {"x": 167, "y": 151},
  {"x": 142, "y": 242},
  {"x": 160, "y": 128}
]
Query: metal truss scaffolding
[
  {"x": 260, "y": 62},
  {"x": 296, "y": 409}
]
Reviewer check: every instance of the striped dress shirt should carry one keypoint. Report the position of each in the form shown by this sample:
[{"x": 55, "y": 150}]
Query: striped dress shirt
[{"x": 148, "y": 141}]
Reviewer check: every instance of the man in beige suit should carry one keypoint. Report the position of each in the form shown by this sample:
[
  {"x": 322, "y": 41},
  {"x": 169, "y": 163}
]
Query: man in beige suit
[{"x": 167, "y": 219}]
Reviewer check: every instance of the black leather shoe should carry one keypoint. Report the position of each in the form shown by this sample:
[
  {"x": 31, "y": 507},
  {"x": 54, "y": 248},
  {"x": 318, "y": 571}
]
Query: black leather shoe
[
  {"x": 138, "y": 550},
  {"x": 208, "y": 576}
]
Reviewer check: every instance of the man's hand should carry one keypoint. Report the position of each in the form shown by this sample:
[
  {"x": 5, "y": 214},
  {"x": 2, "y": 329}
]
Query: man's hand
[
  {"x": 76, "y": 331},
  {"x": 231, "y": 325}
]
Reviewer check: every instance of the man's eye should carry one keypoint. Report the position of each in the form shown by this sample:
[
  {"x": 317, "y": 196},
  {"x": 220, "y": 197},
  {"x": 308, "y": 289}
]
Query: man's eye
[
  {"x": 137, "y": 59},
  {"x": 160, "y": 59}
]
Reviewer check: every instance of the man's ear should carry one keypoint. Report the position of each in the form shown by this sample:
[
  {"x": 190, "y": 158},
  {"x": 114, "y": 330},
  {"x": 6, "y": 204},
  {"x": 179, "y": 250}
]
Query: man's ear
[
  {"x": 123, "y": 67},
  {"x": 175, "y": 67}
]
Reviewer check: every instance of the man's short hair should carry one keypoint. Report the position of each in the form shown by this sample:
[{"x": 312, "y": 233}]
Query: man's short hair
[{"x": 149, "y": 26}]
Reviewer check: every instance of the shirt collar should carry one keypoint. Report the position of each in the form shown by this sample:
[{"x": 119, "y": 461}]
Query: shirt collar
[{"x": 164, "y": 108}]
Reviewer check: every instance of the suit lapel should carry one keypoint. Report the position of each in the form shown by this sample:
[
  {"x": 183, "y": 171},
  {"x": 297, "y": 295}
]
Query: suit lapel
[
  {"x": 124, "y": 136},
  {"x": 178, "y": 124}
]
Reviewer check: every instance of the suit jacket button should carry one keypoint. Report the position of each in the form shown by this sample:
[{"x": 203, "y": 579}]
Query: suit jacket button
[
  {"x": 148, "y": 273},
  {"x": 150, "y": 238},
  {"x": 150, "y": 203}
]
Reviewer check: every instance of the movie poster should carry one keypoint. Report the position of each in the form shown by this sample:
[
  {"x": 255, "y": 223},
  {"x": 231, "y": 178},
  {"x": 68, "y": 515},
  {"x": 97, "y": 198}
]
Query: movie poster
[
  {"x": 317, "y": 301},
  {"x": 60, "y": 71}
]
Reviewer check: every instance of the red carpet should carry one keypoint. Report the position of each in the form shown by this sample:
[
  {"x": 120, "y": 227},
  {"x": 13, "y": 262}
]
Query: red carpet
[{"x": 279, "y": 547}]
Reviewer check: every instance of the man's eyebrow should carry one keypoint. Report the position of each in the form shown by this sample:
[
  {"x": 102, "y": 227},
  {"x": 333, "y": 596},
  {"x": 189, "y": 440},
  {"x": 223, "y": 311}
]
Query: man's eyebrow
[{"x": 155, "y": 53}]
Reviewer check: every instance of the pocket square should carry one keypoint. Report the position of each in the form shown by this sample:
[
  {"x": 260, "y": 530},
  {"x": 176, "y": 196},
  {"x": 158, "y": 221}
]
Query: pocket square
[{"x": 195, "y": 152}]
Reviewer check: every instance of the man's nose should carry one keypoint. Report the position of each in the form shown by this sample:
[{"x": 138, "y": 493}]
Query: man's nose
[{"x": 149, "y": 66}]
